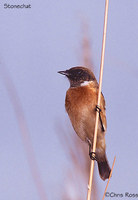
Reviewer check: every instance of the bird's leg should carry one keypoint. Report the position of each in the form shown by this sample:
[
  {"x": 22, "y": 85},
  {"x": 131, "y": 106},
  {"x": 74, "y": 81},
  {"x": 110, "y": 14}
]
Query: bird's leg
[
  {"x": 98, "y": 109},
  {"x": 91, "y": 154}
]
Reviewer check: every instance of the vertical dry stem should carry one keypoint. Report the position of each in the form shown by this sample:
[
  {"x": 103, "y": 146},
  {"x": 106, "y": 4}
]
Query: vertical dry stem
[{"x": 99, "y": 99}]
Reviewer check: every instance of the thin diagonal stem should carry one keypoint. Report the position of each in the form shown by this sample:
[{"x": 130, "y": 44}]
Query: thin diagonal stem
[
  {"x": 109, "y": 178},
  {"x": 13, "y": 96}
]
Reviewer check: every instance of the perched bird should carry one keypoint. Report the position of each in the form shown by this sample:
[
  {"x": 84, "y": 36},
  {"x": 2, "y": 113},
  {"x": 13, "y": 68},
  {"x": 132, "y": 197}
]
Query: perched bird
[{"x": 81, "y": 105}]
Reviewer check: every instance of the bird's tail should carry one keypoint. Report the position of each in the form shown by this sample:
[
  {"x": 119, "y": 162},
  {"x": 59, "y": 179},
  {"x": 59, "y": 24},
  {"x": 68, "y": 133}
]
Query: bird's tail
[{"x": 104, "y": 168}]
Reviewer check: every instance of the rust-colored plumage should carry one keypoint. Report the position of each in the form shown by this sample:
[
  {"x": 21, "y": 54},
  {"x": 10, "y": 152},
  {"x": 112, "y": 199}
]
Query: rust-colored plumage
[{"x": 80, "y": 103}]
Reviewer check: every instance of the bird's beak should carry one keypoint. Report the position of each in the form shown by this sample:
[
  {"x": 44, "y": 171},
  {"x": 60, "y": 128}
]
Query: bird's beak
[{"x": 64, "y": 73}]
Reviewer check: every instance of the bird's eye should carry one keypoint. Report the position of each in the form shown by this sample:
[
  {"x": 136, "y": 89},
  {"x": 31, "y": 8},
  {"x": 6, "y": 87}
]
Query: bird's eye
[{"x": 79, "y": 72}]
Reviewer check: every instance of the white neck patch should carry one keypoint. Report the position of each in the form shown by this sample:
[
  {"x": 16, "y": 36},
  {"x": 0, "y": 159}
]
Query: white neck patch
[{"x": 85, "y": 83}]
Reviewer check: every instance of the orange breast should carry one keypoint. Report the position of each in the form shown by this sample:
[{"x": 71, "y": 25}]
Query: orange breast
[{"x": 80, "y": 105}]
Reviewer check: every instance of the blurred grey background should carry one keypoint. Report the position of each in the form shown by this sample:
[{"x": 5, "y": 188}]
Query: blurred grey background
[{"x": 34, "y": 44}]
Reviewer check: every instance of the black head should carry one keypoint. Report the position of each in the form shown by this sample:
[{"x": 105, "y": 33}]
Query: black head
[{"x": 78, "y": 75}]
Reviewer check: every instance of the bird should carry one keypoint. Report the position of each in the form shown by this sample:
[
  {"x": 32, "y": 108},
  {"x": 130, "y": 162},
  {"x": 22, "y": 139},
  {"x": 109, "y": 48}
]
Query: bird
[{"x": 81, "y": 106}]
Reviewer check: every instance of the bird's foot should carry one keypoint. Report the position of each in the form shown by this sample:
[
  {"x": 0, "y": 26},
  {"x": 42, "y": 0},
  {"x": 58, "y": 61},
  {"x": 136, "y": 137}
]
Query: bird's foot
[
  {"x": 98, "y": 109},
  {"x": 92, "y": 156}
]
